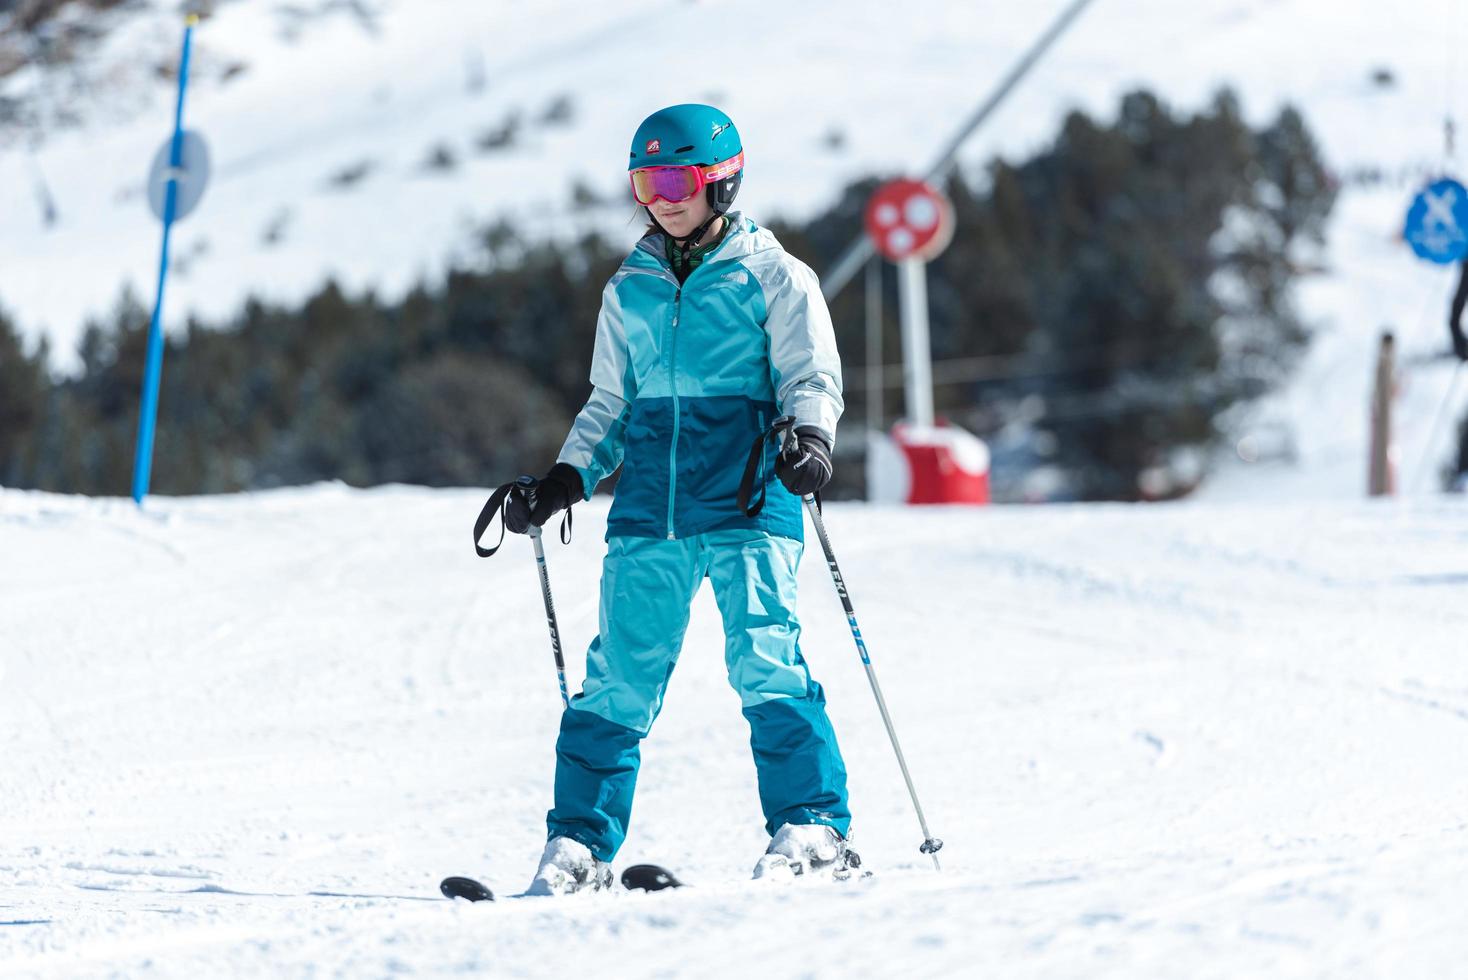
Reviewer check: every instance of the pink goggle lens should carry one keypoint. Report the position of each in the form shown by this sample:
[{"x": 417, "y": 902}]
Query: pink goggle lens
[{"x": 672, "y": 184}]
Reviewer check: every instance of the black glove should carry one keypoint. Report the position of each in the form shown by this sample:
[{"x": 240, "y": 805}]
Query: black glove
[
  {"x": 805, "y": 467},
  {"x": 535, "y": 502},
  {"x": 1460, "y": 344}
]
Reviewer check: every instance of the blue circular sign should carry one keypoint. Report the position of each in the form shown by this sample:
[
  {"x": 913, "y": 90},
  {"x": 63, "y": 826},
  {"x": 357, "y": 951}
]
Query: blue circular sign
[
  {"x": 191, "y": 175},
  {"x": 1437, "y": 222}
]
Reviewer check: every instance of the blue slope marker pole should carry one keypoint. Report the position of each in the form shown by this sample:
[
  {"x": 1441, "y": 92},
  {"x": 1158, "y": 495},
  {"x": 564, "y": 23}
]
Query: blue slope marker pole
[{"x": 148, "y": 416}]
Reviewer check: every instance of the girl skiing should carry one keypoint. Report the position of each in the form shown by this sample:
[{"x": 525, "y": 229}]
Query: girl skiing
[{"x": 708, "y": 332}]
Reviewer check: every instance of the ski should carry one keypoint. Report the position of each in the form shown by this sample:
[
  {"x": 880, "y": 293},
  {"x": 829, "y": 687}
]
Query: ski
[
  {"x": 465, "y": 888},
  {"x": 649, "y": 878},
  {"x": 639, "y": 877}
]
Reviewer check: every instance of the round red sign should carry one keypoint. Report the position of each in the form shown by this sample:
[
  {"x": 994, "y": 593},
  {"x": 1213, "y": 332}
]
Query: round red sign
[{"x": 908, "y": 219}]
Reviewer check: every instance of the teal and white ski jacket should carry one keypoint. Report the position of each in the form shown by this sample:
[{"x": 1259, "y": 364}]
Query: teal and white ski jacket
[{"x": 684, "y": 379}]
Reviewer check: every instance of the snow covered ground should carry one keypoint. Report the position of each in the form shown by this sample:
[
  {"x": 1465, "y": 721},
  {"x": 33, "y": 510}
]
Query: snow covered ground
[{"x": 248, "y": 735}]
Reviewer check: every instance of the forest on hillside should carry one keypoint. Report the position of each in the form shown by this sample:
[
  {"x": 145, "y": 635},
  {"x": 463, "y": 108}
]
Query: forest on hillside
[{"x": 1108, "y": 299}]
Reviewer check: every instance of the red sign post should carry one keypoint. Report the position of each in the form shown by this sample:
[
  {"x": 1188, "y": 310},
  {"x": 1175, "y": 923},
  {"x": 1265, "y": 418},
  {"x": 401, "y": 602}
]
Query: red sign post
[{"x": 909, "y": 223}]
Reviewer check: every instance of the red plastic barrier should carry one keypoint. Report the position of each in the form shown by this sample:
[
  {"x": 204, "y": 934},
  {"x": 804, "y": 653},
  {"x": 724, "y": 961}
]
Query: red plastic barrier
[{"x": 946, "y": 464}]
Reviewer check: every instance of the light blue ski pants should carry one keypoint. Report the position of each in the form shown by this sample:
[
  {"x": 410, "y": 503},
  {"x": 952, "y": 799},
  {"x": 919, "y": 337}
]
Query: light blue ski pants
[{"x": 647, "y": 587}]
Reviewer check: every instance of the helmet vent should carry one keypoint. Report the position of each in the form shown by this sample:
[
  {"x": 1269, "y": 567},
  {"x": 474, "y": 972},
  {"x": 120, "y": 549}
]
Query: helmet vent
[{"x": 684, "y": 149}]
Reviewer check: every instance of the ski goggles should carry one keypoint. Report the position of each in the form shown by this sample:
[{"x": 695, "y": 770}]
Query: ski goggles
[{"x": 678, "y": 184}]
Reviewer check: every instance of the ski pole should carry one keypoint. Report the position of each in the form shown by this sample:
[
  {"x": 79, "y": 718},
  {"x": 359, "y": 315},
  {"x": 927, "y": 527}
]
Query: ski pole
[
  {"x": 931, "y": 845},
  {"x": 525, "y": 486},
  {"x": 750, "y": 506},
  {"x": 550, "y": 613}
]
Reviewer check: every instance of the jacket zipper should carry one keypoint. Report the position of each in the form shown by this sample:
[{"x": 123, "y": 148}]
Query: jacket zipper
[
  {"x": 673, "y": 372},
  {"x": 673, "y": 384}
]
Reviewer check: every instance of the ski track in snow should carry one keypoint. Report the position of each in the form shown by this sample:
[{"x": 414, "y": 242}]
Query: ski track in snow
[{"x": 249, "y": 734}]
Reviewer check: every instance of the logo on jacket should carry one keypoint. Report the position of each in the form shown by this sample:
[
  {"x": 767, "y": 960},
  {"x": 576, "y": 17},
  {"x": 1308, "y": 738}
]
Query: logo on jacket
[
  {"x": 738, "y": 278},
  {"x": 654, "y": 146}
]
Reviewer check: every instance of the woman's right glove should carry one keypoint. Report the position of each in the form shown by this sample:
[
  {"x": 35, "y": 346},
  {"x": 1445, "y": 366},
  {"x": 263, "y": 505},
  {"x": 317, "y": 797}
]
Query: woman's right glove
[{"x": 537, "y": 502}]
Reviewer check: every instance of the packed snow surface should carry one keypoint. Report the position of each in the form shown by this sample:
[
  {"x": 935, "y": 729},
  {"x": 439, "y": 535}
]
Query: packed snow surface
[{"x": 248, "y": 735}]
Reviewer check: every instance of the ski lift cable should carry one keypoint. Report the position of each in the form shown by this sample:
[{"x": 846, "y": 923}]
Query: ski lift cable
[
  {"x": 1005, "y": 367},
  {"x": 860, "y": 250}
]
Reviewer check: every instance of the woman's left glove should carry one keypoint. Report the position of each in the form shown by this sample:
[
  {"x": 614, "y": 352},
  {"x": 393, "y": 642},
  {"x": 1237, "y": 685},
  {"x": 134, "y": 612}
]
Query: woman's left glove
[
  {"x": 547, "y": 497},
  {"x": 805, "y": 467}
]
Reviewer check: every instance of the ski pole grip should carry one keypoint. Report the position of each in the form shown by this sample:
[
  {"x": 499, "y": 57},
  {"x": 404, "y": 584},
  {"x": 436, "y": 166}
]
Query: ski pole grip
[
  {"x": 789, "y": 441},
  {"x": 526, "y": 485}
]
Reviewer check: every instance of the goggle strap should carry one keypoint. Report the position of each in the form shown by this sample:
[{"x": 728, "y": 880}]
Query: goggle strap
[{"x": 728, "y": 168}]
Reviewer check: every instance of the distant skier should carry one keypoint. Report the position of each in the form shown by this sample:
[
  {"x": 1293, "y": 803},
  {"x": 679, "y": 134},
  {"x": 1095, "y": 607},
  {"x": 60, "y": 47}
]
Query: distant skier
[
  {"x": 1455, "y": 318},
  {"x": 1460, "y": 347},
  {"x": 708, "y": 332}
]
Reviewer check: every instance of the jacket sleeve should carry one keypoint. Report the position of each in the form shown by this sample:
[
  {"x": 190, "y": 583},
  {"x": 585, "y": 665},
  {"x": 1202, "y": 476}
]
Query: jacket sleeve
[
  {"x": 804, "y": 364},
  {"x": 598, "y": 436}
]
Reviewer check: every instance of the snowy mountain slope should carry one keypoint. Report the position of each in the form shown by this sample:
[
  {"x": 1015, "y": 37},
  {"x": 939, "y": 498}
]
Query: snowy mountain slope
[
  {"x": 248, "y": 735},
  {"x": 1322, "y": 416},
  {"x": 332, "y": 98},
  {"x": 892, "y": 84}
]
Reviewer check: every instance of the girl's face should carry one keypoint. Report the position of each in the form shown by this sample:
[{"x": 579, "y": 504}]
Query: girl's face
[{"x": 682, "y": 218}]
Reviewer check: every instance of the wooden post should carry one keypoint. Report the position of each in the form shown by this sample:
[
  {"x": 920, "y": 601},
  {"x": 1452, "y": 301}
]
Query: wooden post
[{"x": 1380, "y": 480}]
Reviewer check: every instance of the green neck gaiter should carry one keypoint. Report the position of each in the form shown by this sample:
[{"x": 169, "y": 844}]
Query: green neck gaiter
[{"x": 683, "y": 269}]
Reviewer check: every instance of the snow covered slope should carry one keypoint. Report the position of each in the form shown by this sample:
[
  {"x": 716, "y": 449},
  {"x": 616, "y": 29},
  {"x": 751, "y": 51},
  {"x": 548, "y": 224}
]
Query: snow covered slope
[
  {"x": 314, "y": 101},
  {"x": 249, "y": 734},
  {"x": 1322, "y": 416},
  {"x": 332, "y": 96}
]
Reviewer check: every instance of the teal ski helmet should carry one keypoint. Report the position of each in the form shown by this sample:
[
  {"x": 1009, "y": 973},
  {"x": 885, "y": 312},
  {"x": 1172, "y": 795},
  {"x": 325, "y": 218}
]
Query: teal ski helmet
[{"x": 691, "y": 135}]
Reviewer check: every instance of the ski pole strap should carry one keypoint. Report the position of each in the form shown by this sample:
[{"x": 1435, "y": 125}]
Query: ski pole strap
[
  {"x": 751, "y": 467},
  {"x": 494, "y": 505}
]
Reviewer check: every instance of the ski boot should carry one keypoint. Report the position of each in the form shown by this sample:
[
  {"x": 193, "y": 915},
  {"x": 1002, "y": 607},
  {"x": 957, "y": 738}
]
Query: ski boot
[
  {"x": 808, "y": 850},
  {"x": 568, "y": 866}
]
